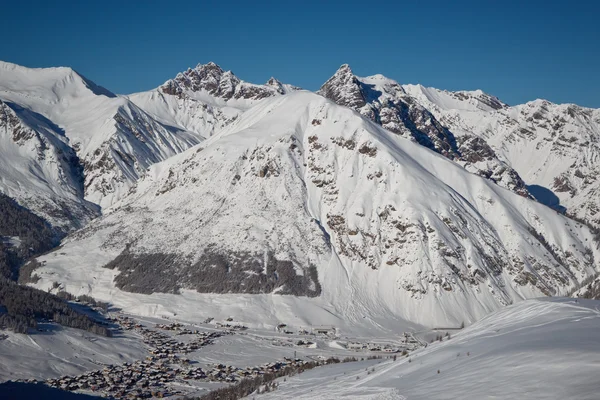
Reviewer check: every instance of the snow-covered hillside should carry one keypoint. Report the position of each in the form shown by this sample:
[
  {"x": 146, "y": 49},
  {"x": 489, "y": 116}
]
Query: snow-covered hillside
[
  {"x": 114, "y": 140},
  {"x": 534, "y": 350},
  {"x": 213, "y": 184},
  {"x": 39, "y": 169},
  {"x": 302, "y": 196},
  {"x": 555, "y": 148}
]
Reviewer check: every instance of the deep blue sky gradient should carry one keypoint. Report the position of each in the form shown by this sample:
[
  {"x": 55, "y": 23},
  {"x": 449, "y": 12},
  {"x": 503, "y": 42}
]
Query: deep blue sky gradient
[{"x": 516, "y": 50}]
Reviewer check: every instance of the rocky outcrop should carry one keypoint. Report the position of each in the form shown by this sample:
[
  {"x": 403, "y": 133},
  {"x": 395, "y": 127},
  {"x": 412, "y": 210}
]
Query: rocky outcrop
[{"x": 211, "y": 79}]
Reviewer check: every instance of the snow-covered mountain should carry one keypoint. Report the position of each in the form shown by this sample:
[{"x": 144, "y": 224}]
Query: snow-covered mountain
[
  {"x": 206, "y": 98},
  {"x": 555, "y": 148},
  {"x": 302, "y": 196},
  {"x": 213, "y": 184},
  {"x": 102, "y": 143},
  {"x": 114, "y": 139},
  {"x": 389, "y": 104}
]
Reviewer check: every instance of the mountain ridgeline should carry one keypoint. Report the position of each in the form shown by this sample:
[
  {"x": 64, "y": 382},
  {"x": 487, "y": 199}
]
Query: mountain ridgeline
[{"x": 368, "y": 196}]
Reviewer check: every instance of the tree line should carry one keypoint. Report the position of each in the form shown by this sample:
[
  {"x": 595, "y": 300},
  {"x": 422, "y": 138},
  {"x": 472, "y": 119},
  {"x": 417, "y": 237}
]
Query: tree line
[{"x": 21, "y": 307}]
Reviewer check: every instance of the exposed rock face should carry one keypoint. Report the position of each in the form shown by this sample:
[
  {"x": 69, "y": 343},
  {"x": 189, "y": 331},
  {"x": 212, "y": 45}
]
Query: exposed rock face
[
  {"x": 211, "y": 79},
  {"x": 383, "y": 101},
  {"x": 346, "y": 90}
]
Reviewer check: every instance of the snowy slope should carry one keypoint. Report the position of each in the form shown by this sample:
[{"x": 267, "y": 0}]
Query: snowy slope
[
  {"x": 555, "y": 148},
  {"x": 299, "y": 185},
  {"x": 39, "y": 169},
  {"x": 114, "y": 139},
  {"x": 533, "y": 350},
  {"x": 389, "y": 104},
  {"x": 63, "y": 351}
]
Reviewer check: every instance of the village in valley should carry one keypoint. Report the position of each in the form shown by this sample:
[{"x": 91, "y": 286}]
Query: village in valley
[{"x": 174, "y": 365}]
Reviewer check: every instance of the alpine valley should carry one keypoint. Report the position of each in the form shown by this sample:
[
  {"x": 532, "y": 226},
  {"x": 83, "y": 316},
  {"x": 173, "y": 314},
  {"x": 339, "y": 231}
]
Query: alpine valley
[{"x": 366, "y": 211}]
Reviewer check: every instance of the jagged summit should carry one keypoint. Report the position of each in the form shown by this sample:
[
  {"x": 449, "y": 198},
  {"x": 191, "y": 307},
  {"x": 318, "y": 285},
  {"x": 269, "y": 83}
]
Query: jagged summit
[
  {"x": 344, "y": 88},
  {"x": 280, "y": 87},
  {"x": 210, "y": 78},
  {"x": 379, "y": 100},
  {"x": 344, "y": 69}
]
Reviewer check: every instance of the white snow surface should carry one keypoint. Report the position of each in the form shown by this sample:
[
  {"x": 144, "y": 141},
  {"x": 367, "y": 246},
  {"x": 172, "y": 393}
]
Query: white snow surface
[
  {"x": 40, "y": 170},
  {"x": 395, "y": 230},
  {"x": 537, "y": 349}
]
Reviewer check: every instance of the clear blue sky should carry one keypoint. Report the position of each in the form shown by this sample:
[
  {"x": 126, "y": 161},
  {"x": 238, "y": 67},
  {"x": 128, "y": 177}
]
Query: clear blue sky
[{"x": 516, "y": 50}]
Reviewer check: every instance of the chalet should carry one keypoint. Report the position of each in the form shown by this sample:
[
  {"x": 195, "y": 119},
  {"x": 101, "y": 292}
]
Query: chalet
[
  {"x": 355, "y": 346},
  {"x": 325, "y": 330}
]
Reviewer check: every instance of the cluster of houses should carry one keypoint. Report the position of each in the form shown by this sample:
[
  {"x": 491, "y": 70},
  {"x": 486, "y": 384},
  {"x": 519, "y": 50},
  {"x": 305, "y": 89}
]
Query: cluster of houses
[
  {"x": 407, "y": 343},
  {"x": 228, "y": 373},
  {"x": 138, "y": 380},
  {"x": 126, "y": 323},
  {"x": 358, "y": 346},
  {"x": 148, "y": 378},
  {"x": 164, "y": 346},
  {"x": 174, "y": 326},
  {"x": 231, "y": 327},
  {"x": 328, "y": 331}
]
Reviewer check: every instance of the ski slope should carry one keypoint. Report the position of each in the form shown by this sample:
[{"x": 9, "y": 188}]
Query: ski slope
[{"x": 537, "y": 349}]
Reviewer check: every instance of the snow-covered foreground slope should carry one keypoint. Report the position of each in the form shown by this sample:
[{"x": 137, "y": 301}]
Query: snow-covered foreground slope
[
  {"x": 537, "y": 349},
  {"x": 555, "y": 148},
  {"x": 301, "y": 196}
]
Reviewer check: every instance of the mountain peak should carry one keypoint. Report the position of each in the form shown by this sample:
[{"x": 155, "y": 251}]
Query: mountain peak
[
  {"x": 212, "y": 79},
  {"x": 209, "y": 77},
  {"x": 344, "y": 88},
  {"x": 209, "y": 68},
  {"x": 55, "y": 79},
  {"x": 344, "y": 69},
  {"x": 273, "y": 82}
]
